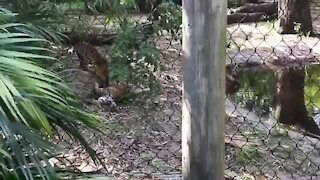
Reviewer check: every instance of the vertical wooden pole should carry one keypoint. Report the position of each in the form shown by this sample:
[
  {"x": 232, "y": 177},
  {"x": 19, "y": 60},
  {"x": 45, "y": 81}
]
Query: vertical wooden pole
[{"x": 204, "y": 46}]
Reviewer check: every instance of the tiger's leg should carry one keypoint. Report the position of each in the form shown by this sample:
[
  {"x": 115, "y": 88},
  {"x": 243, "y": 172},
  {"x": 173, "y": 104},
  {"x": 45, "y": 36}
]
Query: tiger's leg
[
  {"x": 102, "y": 78},
  {"x": 105, "y": 97},
  {"x": 83, "y": 63},
  {"x": 107, "y": 77},
  {"x": 107, "y": 74},
  {"x": 86, "y": 67}
]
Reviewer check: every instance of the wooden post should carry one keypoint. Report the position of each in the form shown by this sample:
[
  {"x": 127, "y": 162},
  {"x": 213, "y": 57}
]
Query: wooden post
[{"x": 204, "y": 46}]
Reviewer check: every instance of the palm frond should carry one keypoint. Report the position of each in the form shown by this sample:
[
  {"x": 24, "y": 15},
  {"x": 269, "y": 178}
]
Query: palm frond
[
  {"x": 28, "y": 150},
  {"x": 33, "y": 101}
]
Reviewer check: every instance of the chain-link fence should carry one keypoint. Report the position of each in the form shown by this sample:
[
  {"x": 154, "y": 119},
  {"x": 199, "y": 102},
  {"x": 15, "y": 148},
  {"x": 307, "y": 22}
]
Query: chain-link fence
[
  {"x": 276, "y": 55},
  {"x": 272, "y": 85},
  {"x": 142, "y": 138}
]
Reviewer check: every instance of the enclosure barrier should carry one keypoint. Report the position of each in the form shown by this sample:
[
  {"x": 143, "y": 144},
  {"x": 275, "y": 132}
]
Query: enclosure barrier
[{"x": 271, "y": 84}]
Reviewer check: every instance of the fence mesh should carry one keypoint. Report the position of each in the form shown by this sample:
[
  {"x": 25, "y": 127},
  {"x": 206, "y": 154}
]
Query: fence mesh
[
  {"x": 277, "y": 100},
  {"x": 272, "y": 90},
  {"x": 143, "y": 138}
]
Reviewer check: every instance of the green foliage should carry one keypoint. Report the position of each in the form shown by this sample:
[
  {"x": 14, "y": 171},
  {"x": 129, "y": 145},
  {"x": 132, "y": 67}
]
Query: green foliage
[
  {"x": 312, "y": 88},
  {"x": 43, "y": 16},
  {"x": 36, "y": 11},
  {"x": 255, "y": 91},
  {"x": 248, "y": 155},
  {"x": 134, "y": 59},
  {"x": 298, "y": 30},
  {"x": 107, "y": 6},
  {"x": 98, "y": 6},
  {"x": 170, "y": 20},
  {"x": 33, "y": 101}
]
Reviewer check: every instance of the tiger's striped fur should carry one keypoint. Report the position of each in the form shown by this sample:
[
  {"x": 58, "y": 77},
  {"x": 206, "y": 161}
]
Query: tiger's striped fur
[{"x": 92, "y": 61}]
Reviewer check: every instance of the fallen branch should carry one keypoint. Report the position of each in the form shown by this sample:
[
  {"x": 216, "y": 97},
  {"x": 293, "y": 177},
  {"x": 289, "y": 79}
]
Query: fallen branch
[
  {"x": 94, "y": 39},
  {"x": 253, "y": 13},
  {"x": 266, "y": 8},
  {"x": 247, "y": 17}
]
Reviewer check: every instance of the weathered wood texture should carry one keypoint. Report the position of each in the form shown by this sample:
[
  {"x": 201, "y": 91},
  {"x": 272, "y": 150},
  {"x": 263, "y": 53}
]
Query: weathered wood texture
[{"x": 204, "y": 42}]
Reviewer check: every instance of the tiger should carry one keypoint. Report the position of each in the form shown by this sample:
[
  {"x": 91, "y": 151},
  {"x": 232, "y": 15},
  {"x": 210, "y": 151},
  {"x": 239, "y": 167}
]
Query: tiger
[
  {"x": 93, "y": 62},
  {"x": 111, "y": 95}
]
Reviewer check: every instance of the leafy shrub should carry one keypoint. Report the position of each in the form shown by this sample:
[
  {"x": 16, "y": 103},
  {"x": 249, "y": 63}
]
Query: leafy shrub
[
  {"x": 255, "y": 93},
  {"x": 105, "y": 6},
  {"x": 36, "y": 12},
  {"x": 134, "y": 59},
  {"x": 170, "y": 20}
]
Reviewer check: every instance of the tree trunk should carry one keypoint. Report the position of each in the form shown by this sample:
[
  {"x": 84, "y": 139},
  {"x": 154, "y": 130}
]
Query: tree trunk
[
  {"x": 288, "y": 100},
  {"x": 294, "y": 11}
]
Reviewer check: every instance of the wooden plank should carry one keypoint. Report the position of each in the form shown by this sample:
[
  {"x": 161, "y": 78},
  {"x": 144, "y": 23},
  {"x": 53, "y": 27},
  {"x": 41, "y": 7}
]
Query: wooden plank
[{"x": 204, "y": 42}]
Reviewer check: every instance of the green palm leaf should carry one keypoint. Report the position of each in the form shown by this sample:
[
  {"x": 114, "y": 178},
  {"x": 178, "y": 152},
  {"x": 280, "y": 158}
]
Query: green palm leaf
[
  {"x": 27, "y": 150},
  {"x": 33, "y": 102}
]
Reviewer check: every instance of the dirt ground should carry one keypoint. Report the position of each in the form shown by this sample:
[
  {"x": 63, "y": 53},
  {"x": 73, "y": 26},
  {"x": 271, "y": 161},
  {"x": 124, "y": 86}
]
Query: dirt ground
[{"x": 145, "y": 136}]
